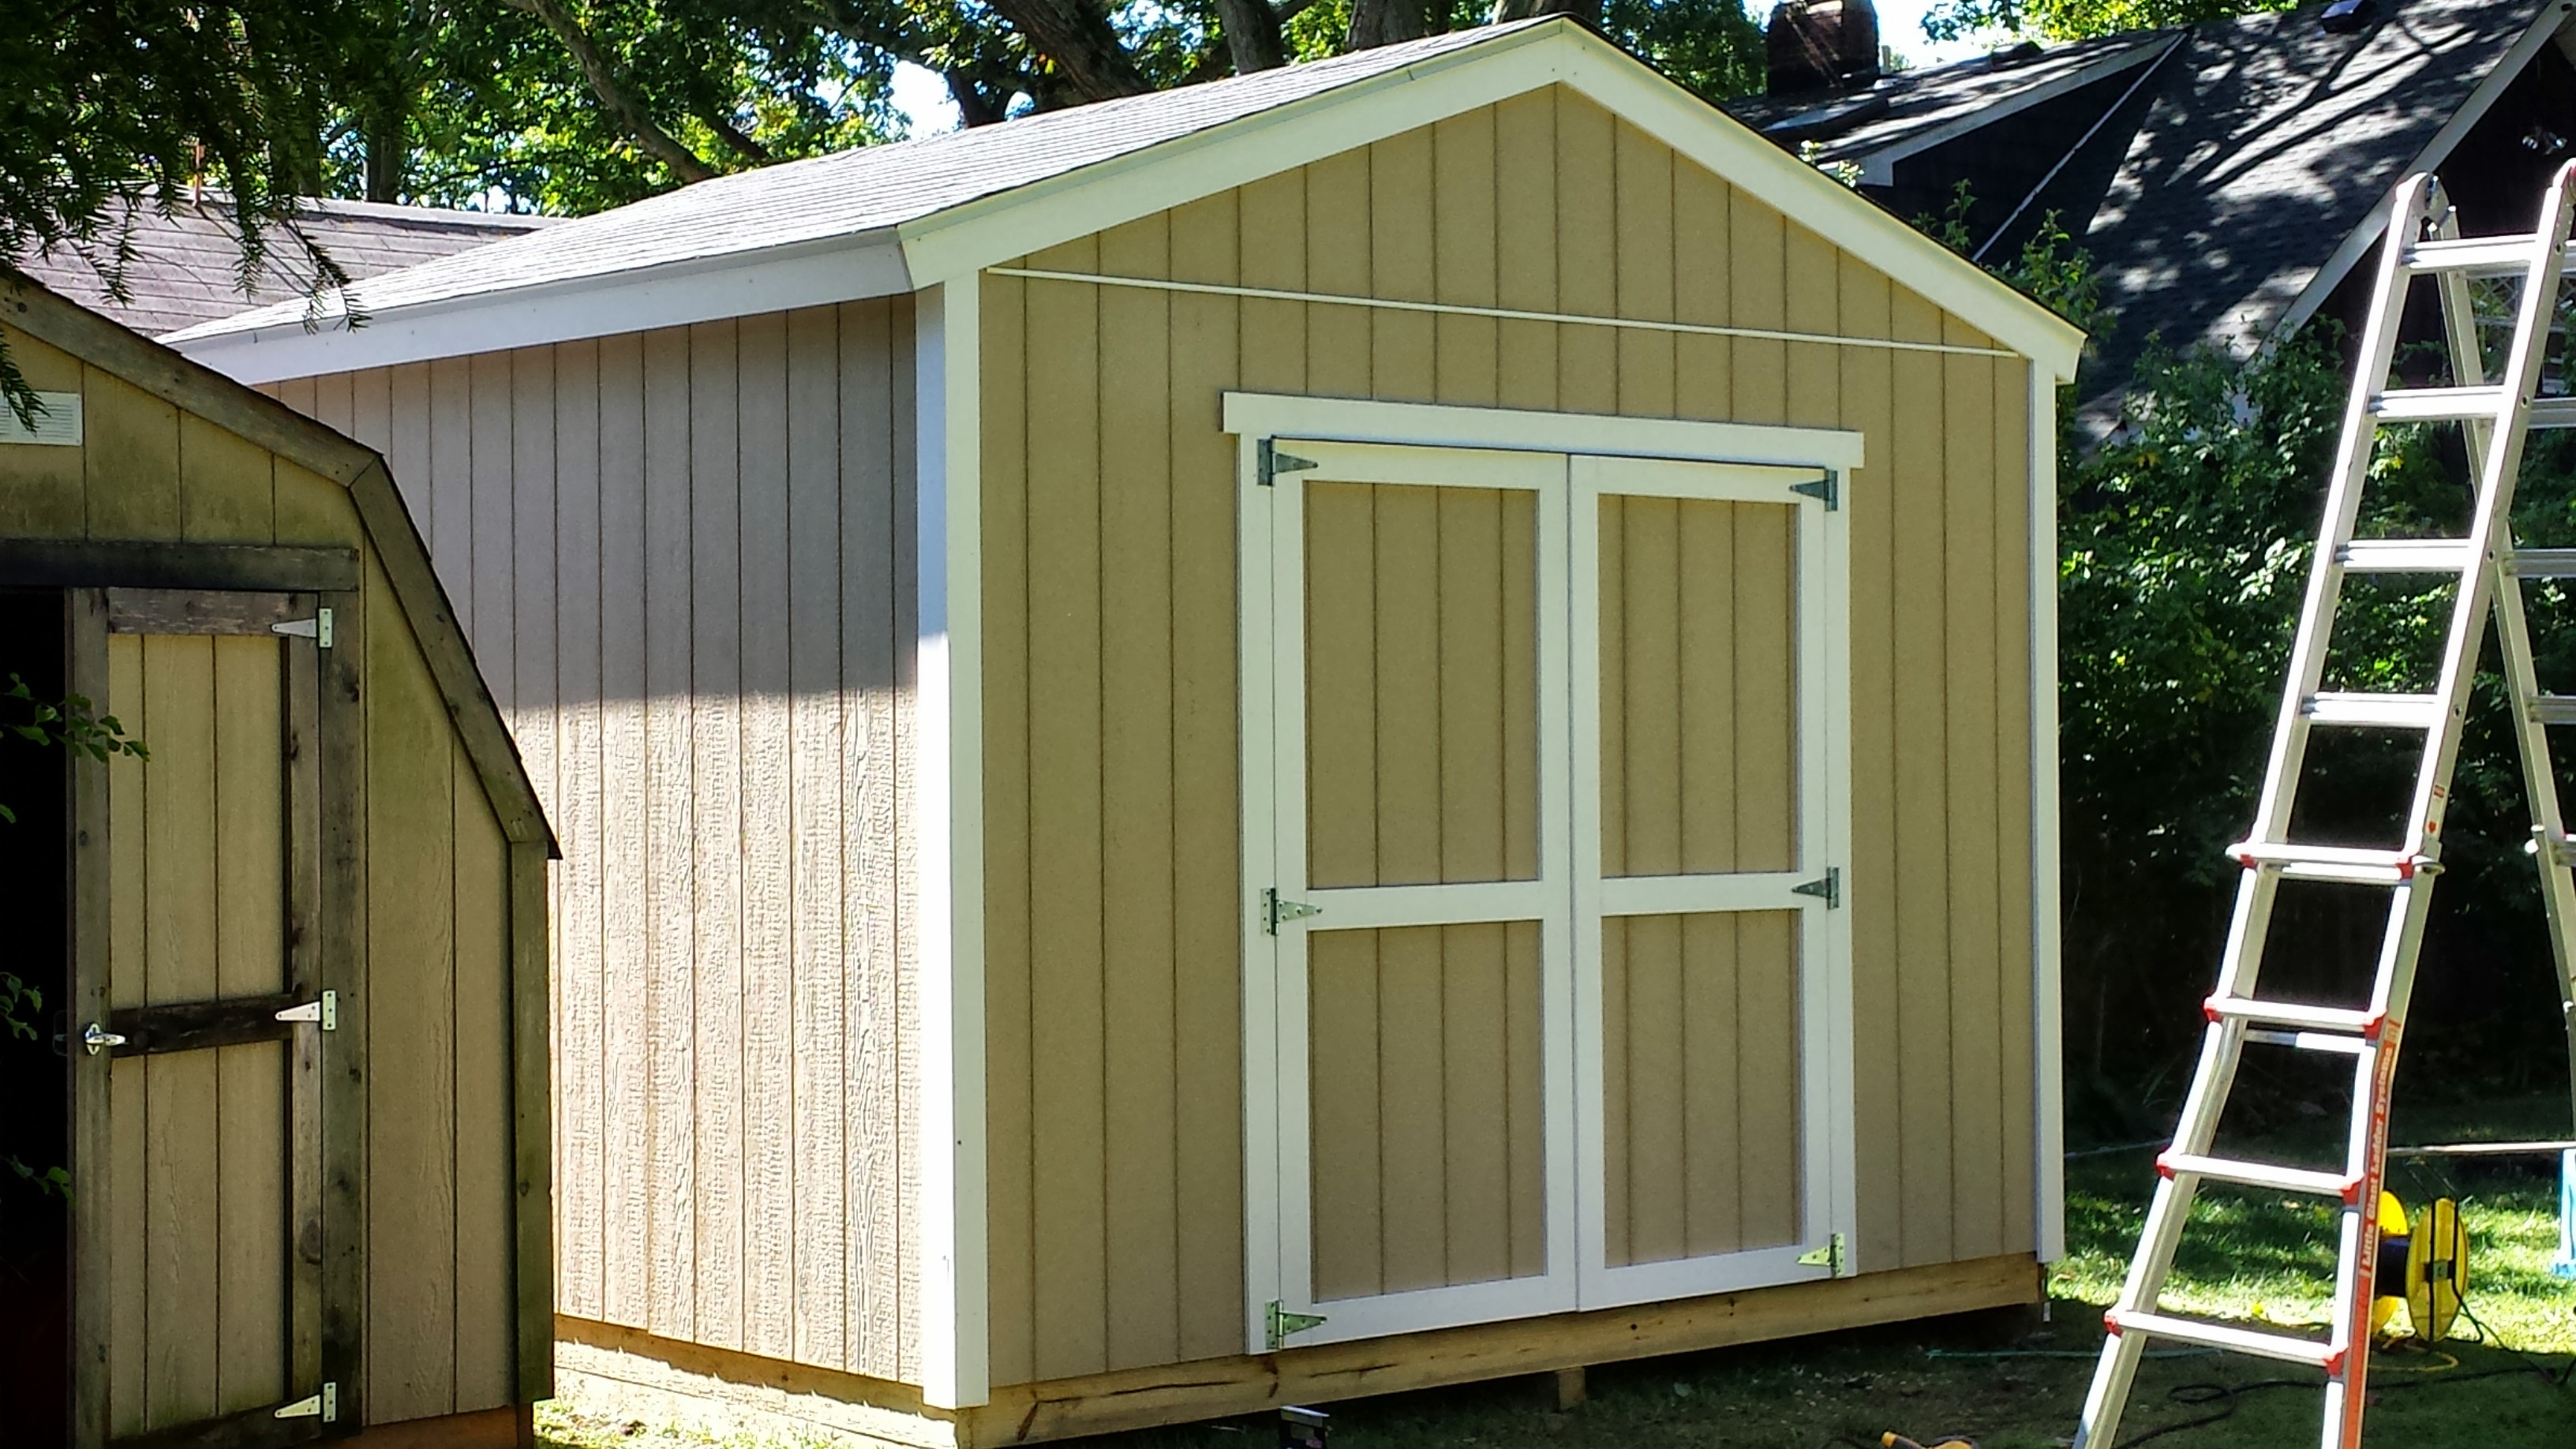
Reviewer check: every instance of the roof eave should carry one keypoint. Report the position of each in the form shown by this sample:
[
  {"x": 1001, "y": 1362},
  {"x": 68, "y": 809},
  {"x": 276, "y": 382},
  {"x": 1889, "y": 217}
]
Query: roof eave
[{"x": 802, "y": 274}]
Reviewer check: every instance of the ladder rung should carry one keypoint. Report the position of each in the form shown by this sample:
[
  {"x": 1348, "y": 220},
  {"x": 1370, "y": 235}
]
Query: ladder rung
[
  {"x": 2330, "y": 862},
  {"x": 2438, "y": 404},
  {"x": 2373, "y": 711},
  {"x": 2478, "y": 256},
  {"x": 2544, "y": 563},
  {"x": 2552, "y": 709},
  {"x": 2228, "y": 1336},
  {"x": 2261, "y": 1174},
  {"x": 2553, "y": 412},
  {"x": 2406, "y": 556},
  {"x": 2361, "y": 1025},
  {"x": 2313, "y": 1041}
]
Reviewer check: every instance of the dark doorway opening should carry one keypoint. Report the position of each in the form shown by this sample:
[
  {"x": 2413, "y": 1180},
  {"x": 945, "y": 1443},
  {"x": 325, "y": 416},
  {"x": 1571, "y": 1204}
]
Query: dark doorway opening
[{"x": 35, "y": 1083}]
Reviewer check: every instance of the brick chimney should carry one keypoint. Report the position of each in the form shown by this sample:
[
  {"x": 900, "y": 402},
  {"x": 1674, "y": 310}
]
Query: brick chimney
[{"x": 1821, "y": 45}]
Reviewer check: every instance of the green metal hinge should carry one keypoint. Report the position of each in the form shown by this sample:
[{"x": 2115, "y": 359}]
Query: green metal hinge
[
  {"x": 1827, "y": 489},
  {"x": 1828, "y": 887},
  {"x": 1831, "y": 1257},
  {"x": 1284, "y": 1323},
  {"x": 1274, "y": 462},
  {"x": 317, "y": 628}
]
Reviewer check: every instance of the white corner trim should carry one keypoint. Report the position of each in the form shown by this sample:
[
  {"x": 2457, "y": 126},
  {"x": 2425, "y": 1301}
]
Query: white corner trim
[
  {"x": 2048, "y": 1095},
  {"x": 844, "y": 269},
  {"x": 2365, "y": 236},
  {"x": 948, "y": 814},
  {"x": 1256, "y": 414}
]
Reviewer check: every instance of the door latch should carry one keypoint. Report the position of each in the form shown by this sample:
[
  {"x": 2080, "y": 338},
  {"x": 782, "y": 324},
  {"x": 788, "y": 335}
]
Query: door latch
[
  {"x": 317, "y": 628},
  {"x": 98, "y": 1038},
  {"x": 1275, "y": 910},
  {"x": 324, "y": 1406},
  {"x": 1830, "y": 1257},
  {"x": 323, "y": 1011},
  {"x": 1283, "y": 1323},
  {"x": 1828, "y": 888}
]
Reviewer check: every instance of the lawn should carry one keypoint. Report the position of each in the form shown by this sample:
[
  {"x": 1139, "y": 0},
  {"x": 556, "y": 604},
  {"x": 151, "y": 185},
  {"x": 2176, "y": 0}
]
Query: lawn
[{"x": 2011, "y": 1383}]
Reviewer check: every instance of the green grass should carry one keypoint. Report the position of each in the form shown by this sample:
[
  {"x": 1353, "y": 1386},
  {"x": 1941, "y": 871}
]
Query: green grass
[{"x": 2013, "y": 1383}]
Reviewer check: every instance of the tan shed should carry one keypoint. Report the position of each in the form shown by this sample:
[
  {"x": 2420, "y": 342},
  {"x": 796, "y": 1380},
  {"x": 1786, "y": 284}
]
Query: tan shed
[
  {"x": 301, "y": 997},
  {"x": 1383, "y": 723}
]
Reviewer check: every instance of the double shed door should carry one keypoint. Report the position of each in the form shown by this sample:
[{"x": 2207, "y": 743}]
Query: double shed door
[
  {"x": 199, "y": 1027},
  {"x": 1543, "y": 786}
]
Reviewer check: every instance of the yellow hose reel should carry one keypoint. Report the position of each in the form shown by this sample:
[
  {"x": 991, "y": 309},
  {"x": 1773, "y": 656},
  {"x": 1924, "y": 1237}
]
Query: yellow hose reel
[{"x": 2423, "y": 1269}]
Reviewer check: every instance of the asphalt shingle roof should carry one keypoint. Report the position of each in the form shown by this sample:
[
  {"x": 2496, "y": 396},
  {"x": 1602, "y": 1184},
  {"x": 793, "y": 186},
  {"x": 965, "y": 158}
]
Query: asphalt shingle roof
[
  {"x": 2250, "y": 154},
  {"x": 869, "y": 189},
  {"x": 185, "y": 267}
]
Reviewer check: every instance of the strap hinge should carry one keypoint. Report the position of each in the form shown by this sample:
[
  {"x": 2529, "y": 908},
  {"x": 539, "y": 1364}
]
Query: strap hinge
[
  {"x": 1829, "y": 887},
  {"x": 317, "y": 628},
  {"x": 1273, "y": 462},
  {"x": 323, "y": 1011},
  {"x": 1827, "y": 490},
  {"x": 1275, "y": 910},
  {"x": 324, "y": 1406},
  {"x": 1833, "y": 1256},
  {"x": 1283, "y": 1323}
]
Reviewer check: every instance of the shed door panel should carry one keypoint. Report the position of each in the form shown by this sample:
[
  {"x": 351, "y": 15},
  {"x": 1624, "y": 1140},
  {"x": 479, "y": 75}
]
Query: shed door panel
[{"x": 210, "y": 1099}]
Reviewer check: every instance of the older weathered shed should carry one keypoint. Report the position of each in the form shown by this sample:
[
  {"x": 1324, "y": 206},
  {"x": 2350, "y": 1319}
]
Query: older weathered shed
[
  {"x": 1289, "y": 739},
  {"x": 303, "y": 986}
]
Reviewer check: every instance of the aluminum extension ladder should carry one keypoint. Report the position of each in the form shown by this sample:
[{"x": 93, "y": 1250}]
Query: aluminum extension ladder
[{"x": 2423, "y": 241}]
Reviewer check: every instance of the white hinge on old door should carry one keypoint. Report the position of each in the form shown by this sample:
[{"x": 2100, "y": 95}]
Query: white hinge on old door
[
  {"x": 1283, "y": 1323},
  {"x": 1273, "y": 462},
  {"x": 1827, "y": 490},
  {"x": 1828, "y": 887},
  {"x": 324, "y": 1406},
  {"x": 1275, "y": 910},
  {"x": 323, "y": 1011},
  {"x": 317, "y": 628}
]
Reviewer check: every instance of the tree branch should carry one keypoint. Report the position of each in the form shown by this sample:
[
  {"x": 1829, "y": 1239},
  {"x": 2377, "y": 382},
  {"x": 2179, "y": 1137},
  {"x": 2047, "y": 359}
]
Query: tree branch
[
  {"x": 1087, "y": 53},
  {"x": 613, "y": 94},
  {"x": 734, "y": 140}
]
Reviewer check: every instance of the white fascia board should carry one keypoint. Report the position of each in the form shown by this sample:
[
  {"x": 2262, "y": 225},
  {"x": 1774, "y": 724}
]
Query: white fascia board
[
  {"x": 1331, "y": 419},
  {"x": 994, "y": 231},
  {"x": 842, "y": 269},
  {"x": 2048, "y": 1051},
  {"x": 1878, "y": 167},
  {"x": 2362, "y": 238}
]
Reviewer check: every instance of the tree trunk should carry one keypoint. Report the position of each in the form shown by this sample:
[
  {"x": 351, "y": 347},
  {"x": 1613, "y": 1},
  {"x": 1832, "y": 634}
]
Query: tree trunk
[
  {"x": 1387, "y": 22},
  {"x": 384, "y": 134},
  {"x": 1252, "y": 35},
  {"x": 1094, "y": 64},
  {"x": 606, "y": 84},
  {"x": 1587, "y": 11}
]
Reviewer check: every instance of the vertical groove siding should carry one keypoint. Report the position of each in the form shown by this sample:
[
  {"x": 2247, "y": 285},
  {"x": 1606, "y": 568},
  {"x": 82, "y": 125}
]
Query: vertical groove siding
[
  {"x": 1113, "y": 963},
  {"x": 682, "y": 559},
  {"x": 441, "y": 1331}
]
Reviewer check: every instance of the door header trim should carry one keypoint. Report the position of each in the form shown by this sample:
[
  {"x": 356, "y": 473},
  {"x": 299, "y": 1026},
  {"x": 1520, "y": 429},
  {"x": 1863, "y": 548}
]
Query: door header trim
[{"x": 1258, "y": 415}]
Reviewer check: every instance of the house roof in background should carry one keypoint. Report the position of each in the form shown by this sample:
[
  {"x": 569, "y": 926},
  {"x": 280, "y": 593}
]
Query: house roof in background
[
  {"x": 186, "y": 263},
  {"x": 2256, "y": 150}
]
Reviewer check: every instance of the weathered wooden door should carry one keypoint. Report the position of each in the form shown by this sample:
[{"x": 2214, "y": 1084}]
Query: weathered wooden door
[
  {"x": 1709, "y": 722},
  {"x": 1420, "y": 903},
  {"x": 1543, "y": 784},
  {"x": 199, "y": 1033}
]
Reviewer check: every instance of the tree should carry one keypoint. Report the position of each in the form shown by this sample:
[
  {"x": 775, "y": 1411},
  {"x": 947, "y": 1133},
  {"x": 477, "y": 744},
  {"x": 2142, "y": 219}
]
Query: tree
[{"x": 2081, "y": 19}]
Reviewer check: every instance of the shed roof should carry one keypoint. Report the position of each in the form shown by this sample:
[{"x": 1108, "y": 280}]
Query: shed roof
[
  {"x": 887, "y": 219},
  {"x": 103, "y": 343},
  {"x": 186, "y": 261}
]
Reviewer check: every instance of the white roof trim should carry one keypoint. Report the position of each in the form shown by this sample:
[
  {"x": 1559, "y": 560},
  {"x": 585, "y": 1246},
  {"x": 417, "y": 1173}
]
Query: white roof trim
[{"x": 965, "y": 239}]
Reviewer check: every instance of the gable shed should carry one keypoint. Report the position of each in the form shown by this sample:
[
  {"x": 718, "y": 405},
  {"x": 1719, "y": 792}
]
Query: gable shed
[
  {"x": 302, "y": 978},
  {"x": 1290, "y": 739}
]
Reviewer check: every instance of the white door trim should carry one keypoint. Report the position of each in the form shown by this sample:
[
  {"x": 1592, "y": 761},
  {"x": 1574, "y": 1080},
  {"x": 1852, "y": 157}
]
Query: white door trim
[{"x": 1271, "y": 550}]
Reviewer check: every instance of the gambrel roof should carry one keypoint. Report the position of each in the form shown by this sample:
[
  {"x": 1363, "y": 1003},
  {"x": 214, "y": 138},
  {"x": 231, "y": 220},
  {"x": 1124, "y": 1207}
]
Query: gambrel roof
[{"x": 885, "y": 220}]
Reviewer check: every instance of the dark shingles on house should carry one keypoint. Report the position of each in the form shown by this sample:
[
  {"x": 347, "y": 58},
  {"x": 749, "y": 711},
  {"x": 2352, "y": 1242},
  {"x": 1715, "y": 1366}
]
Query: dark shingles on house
[
  {"x": 186, "y": 264},
  {"x": 2229, "y": 164}
]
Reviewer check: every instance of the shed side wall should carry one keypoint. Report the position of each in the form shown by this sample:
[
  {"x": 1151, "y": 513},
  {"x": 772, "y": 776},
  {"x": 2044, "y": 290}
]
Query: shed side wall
[
  {"x": 684, "y": 564},
  {"x": 440, "y": 1330},
  {"x": 1112, "y": 968}
]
